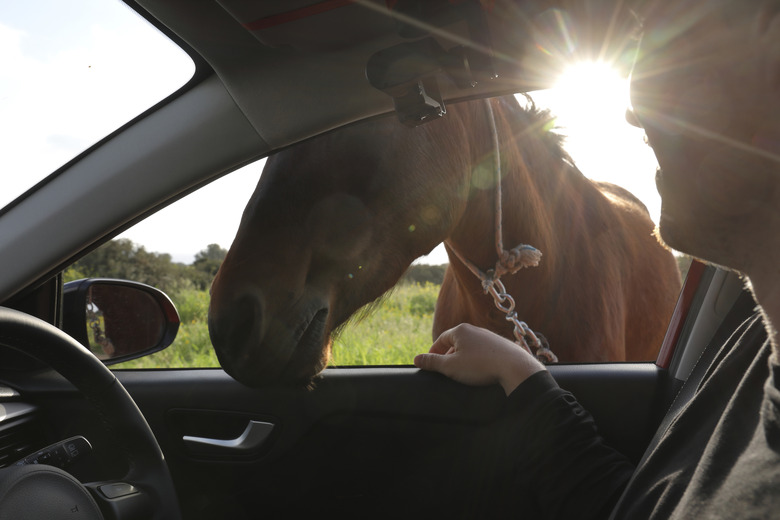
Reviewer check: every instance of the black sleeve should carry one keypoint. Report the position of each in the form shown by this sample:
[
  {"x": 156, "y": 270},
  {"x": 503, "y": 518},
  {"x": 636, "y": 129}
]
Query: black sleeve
[{"x": 558, "y": 464}]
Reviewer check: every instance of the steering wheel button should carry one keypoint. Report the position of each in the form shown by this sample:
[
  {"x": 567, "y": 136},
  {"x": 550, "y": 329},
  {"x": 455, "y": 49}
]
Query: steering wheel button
[
  {"x": 76, "y": 446},
  {"x": 44, "y": 458},
  {"x": 117, "y": 489}
]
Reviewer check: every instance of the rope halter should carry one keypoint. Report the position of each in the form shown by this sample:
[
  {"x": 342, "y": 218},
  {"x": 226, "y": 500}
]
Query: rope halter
[{"x": 509, "y": 262}]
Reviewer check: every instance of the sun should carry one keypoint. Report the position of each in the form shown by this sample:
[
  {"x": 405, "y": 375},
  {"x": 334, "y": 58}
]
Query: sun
[
  {"x": 591, "y": 93},
  {"x": 592, "y": 73}
]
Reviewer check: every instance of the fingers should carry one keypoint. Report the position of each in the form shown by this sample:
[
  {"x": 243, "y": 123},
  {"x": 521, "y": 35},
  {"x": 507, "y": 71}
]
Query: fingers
[
  {"x": 435, "y": 359},
  {"x": 444, "y": 343}
]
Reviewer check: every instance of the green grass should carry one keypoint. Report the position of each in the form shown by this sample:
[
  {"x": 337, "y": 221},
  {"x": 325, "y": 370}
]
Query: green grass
[{"x": 398, "y": 328}]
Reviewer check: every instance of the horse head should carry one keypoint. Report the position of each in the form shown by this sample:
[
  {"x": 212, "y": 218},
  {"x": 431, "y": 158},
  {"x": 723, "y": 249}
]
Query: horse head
[
  {"x": 333, "y": 224},
  {"x": 335, "y": 221}
]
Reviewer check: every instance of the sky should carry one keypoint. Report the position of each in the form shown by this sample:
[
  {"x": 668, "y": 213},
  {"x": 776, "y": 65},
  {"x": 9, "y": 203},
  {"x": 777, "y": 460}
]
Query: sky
[{"x": 66, "y": 81}]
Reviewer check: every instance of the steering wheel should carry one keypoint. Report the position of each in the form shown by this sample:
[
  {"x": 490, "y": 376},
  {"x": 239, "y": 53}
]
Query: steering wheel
[{"x": 40, "y": 491}]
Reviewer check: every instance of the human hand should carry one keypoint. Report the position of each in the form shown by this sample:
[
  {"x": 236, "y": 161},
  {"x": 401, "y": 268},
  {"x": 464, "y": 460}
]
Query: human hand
[{"x": 476, "y": 356}]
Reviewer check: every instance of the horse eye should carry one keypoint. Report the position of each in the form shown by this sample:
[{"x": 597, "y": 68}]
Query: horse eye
[{"x": 339, "y": 225}]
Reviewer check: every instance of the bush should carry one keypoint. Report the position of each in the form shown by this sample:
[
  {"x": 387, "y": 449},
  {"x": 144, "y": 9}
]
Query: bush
[
  {"x": 423, "y": 274},
  {"x": 192, "y": 304},
  {"x": 422, "y": 304}
]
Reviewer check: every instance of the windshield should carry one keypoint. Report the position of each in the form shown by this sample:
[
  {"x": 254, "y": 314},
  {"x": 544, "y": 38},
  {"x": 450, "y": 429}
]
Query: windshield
[{"x": 73, "y": 72}]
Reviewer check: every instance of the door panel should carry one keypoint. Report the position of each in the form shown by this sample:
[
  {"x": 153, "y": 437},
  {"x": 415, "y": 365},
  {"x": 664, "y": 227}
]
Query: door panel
[{"x": 362, "y": 442}]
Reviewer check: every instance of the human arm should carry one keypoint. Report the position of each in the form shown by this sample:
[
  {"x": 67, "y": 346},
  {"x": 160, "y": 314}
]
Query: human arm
[{"x": 550, "y": 461}]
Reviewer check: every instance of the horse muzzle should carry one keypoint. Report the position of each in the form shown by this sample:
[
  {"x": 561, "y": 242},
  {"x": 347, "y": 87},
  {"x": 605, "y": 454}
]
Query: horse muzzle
[{"x": 259, "y": 345}]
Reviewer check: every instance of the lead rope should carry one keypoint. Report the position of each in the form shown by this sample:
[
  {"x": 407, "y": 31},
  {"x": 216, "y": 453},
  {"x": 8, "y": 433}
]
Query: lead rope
[{"x": 509, "y": 262}]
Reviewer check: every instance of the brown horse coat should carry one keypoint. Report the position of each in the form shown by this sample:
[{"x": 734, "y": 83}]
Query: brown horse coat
[{"x": 335, "y": 222}]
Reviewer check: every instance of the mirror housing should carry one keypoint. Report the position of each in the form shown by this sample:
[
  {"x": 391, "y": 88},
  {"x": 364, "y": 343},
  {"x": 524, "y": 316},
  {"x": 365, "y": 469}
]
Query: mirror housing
[{"x": 118, "y": 320}]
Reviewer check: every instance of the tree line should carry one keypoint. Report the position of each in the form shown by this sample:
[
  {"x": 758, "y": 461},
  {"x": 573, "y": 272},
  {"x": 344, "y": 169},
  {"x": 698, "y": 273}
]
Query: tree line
[{"x": 124, "y": 259}]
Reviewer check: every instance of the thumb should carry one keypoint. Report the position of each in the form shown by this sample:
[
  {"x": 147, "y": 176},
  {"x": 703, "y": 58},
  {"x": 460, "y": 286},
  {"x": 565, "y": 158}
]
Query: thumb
[{"x": 430, "y": 362}]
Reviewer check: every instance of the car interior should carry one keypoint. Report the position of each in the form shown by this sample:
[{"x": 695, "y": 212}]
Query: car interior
[{"x": 362, "y": 441}]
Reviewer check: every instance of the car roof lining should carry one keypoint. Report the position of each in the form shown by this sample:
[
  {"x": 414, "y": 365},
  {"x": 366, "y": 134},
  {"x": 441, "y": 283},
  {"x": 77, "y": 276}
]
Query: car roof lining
[{"x": 316, "y": 54}]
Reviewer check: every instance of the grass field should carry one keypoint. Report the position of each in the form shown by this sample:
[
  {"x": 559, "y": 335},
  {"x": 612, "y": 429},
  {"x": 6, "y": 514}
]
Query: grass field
[{"x": 397, "y": 328}]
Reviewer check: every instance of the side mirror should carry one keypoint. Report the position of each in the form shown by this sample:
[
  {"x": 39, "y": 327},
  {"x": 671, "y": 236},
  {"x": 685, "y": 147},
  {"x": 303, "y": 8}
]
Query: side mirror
[{"x": 118, "y": 320}]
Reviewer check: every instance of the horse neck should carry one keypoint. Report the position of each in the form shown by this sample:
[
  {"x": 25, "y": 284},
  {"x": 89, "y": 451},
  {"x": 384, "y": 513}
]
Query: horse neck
[{"x": 532, "y": 180}]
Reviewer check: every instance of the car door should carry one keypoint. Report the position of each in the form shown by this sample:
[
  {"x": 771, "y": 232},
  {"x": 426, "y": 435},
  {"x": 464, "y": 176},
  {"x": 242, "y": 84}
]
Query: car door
[{"x": 367, "y": 441}]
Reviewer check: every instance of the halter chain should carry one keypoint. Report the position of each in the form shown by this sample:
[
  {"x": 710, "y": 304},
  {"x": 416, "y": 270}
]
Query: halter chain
[{"x": 509, "y": 262}]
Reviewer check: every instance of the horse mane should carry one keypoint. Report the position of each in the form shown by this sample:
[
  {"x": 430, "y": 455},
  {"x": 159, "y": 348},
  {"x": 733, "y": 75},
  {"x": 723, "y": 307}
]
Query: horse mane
[
  {"x": 530, "y": 119},
  {"x": 543, "y": 121}
]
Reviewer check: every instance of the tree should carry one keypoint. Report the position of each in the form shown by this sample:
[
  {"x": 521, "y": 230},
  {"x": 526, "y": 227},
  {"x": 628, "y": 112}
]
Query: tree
[
  {"x": 126, "y": 260},
  {"x": 208, "y": 260},
  {"x": 422, "y": 273}
]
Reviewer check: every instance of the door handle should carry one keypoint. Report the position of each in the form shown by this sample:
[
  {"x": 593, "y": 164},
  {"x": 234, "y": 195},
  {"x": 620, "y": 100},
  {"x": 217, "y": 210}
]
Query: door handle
[{"x": 253, "y": 436}]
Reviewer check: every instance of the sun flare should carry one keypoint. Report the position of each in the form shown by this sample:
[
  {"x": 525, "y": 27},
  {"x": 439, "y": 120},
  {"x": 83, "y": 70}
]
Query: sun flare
[
  {"x": 591, "y": 93},
  {"x": 589, "y": 102}
]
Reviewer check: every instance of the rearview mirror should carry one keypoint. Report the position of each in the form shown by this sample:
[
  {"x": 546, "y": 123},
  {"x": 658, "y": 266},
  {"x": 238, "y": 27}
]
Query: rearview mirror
[{"x": 118, "y": 320}]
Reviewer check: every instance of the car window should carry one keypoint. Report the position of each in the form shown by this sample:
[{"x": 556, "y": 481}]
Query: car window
[
  {"x": 400, "y": 326},
  {"x": 108, "y": 63},
  {"x": 181, "y": 264},
  {"x": 111, "y": 78}
]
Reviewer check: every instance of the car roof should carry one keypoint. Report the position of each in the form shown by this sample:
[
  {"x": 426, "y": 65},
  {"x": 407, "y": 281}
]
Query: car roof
[{"x": 299, "y": 68}]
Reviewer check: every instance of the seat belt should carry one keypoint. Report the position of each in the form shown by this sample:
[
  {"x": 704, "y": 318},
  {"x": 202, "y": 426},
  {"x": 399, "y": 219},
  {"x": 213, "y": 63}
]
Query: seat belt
[{"x": 743, "y": 308}]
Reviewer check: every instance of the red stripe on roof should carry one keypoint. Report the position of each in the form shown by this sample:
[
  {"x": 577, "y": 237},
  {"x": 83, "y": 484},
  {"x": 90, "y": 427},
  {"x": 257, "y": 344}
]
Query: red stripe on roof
[{"x": 296, "y": 14}]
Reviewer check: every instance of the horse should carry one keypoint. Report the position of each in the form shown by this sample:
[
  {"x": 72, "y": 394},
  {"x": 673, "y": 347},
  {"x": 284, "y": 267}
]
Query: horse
[{"x": 336, "y": 220}]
